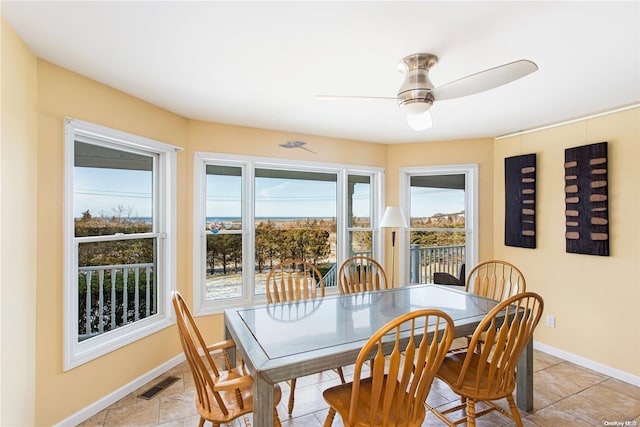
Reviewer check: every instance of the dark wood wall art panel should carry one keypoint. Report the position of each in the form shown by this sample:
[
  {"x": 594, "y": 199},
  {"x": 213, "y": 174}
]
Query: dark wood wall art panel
[
  {"x": 520, "y": 201},
  {"x": 587, "y": 199}
]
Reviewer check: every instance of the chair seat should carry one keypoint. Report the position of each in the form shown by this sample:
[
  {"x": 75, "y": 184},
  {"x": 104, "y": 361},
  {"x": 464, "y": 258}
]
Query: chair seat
[
  {"x": 231, "y": 403},
  {"x": 449, "y": 372},
  {"x": 339, "y": 397}
]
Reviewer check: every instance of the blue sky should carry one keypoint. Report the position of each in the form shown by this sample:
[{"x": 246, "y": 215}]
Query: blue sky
[{"x": 102, "y": 190}]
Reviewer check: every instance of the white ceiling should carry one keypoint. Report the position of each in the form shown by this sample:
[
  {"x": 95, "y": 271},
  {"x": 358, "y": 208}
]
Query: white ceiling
[{"x": 260, "y": 64}]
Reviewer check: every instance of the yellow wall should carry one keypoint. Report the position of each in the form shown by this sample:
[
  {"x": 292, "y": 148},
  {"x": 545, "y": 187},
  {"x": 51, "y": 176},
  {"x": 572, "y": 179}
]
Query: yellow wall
[
  {"x": 595, "y": 299},
  {"x": 18, "y": 206}
]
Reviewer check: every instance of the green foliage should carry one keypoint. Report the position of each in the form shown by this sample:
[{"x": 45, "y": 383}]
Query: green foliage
[
  {"x": 113, "y": 252},
  {"x": 274, "y": 241}
]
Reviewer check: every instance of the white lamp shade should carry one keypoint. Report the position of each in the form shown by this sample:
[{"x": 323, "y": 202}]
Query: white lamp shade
[{"x": 393, "y": 218}]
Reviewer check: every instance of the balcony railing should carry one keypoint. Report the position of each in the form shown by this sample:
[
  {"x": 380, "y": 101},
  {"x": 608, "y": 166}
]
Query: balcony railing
[
  {"x": 111, "y": 296},
  {"x": 424, "y": 261}
]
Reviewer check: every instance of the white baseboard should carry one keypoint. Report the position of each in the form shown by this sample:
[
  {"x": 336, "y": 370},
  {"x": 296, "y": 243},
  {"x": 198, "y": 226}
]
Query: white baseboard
[
  {"x": 587, "y": 363},
  {"x": 110, "y": 399}
]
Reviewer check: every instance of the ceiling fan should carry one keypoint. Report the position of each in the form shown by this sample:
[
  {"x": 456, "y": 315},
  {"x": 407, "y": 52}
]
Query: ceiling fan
[{"x": 417, "y": 94}]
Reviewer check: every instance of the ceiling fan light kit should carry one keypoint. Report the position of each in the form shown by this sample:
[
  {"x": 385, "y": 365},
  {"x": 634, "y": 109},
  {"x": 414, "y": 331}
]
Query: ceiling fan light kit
[
  {"x": 417, "y": 93},
  {"x": 414, "y": 96}
]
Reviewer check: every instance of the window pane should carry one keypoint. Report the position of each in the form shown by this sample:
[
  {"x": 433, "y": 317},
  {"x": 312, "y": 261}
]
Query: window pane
[
  {"x": 224, "y": 198},
  {"x": 223, "y": 214},
  {"x": 359, "y": 201},
  {"x": 436, "y": 251},
  {"x": 295, "y": 218},
  {"x": 224, "y": 266},
  {"x": 359, "y": 243},
  {"x": 112, "y": 190},
  {"x": 437, "y": 201},
  {"x": 123, "y": 284}
]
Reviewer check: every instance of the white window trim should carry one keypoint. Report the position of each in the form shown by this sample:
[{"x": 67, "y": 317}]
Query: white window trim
[
  {"x": 77, "y": 353},
  {"x": 470, "y": 171},
  {"x": 250, "y": 163}
]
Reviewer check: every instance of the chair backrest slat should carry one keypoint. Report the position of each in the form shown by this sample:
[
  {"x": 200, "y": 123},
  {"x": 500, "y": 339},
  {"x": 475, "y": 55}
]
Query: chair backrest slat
[
  {"x": 294, "y": 280},
  {"x": 361, "y": 274},
  {"x": 495, "y": 279},
  {"x": 400, "y": 381},
  {"x": 505, "y": 332}
]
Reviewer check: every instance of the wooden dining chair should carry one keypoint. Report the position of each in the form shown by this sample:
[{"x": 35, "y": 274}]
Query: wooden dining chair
[
  {"x": 494, "y": 279},
  {"x": 221, "y": 395},
  {"x": 295, "y": 280},
  {"x": 490, "y": 374},
  {"x": 360, "y": 274},
  {"x": 394, "y": 392}
]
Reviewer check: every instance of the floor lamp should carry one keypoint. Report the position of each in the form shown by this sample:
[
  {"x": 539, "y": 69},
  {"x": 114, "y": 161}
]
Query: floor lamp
[{"x": 393, "y": 218}]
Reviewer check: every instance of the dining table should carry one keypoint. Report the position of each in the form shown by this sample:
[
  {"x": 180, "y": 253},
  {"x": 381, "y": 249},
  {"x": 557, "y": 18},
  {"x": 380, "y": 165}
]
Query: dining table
[{"x": 279, "y": 342}]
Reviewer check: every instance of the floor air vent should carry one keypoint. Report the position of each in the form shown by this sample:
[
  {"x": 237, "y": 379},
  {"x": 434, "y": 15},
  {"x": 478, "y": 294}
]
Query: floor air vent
[{"x": 158, "y": 388}]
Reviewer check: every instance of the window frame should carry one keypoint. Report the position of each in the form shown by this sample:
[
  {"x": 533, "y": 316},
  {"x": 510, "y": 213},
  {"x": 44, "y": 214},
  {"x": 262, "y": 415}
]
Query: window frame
[
  {"x": 250, "y": 164},
  {"x": 164, "y": 212},
  {"x": 470, "y": 171}
]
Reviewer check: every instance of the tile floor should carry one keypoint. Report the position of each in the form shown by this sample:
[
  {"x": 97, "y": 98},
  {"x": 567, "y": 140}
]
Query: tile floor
[{"x": 565, "y": 394}]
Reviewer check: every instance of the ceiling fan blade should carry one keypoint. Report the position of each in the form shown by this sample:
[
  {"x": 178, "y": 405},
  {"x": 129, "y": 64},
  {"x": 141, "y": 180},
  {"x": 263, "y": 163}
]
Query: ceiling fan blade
[
  {"x": 484, "y": 80},
  {"x": 355, "y": 98}
]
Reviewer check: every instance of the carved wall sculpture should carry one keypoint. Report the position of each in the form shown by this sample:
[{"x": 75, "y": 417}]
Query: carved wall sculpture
[
  {"x": 587, "y": 199},
  {"x": 520, "y": 201}
]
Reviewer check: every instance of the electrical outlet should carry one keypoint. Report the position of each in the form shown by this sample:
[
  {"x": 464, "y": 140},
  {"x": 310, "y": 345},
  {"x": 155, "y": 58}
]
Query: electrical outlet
[{"x": 551, "y": 321}]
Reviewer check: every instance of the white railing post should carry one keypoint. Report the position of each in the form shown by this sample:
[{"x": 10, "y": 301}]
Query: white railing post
[
  {"x": 125, "y": 296},
  {"x": 87, "y": 309}
]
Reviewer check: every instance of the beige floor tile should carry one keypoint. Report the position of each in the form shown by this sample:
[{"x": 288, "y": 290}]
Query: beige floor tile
[
  {"x": 307, "y": 401},
  {"x": 545, "y": 390},
  {"x": 619, "y": 402},
  {"x": 96, "y": 421},
  {"x": 141, "y": 413},
  {"x": 622, "y": 387},
  {"x": 177, "y": 423},
  {"x": 563, "y": 381},
  {"x": 544, "y": 360},
  {"x": 321, "y": 416},
  {"x": 551, "y": 416},
  {"x": 176, "y": 406},
  {"x": 303, "y": 421},
  {"x": 127, "y": 400},
  {"x": 586, "y": 410},
  {"x": 525, "y": 423},
  {"x": 583, "y": 377}
]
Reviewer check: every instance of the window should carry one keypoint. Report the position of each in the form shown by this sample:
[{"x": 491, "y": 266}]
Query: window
[
  {"x": 119, "y": 192},
  {"x": 253, "y": 213},
  {"x": 359, "y": 224},
  {"x": 442, "y": 206}
]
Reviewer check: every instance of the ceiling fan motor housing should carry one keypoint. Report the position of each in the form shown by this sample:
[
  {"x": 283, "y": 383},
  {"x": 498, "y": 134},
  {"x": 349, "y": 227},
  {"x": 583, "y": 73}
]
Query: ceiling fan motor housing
[{"x": 414, "y": 96}]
